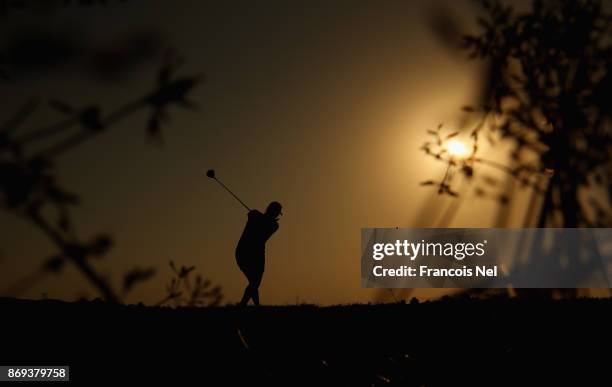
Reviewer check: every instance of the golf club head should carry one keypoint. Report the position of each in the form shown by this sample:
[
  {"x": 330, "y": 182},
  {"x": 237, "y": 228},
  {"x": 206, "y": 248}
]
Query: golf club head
[{"x": 210, "y": 173}]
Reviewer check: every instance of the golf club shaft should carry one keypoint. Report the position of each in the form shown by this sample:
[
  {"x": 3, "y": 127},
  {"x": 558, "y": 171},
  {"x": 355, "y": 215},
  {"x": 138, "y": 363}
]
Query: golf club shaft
[{"x": 234, "y": 195}]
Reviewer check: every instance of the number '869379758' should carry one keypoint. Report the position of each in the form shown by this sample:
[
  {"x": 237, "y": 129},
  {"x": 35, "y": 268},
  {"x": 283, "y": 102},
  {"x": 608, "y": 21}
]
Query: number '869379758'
[{"x": 19, "y": 373}]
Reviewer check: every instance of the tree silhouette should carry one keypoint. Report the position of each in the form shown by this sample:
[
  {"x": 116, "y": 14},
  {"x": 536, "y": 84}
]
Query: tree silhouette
[
  {"x": 30, "y": 189},
  {"x": 546, "y": 92}
]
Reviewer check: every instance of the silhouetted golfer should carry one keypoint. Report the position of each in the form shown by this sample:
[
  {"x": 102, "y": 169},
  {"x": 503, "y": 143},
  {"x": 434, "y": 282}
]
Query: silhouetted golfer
[{"x": 251, "y": 249}]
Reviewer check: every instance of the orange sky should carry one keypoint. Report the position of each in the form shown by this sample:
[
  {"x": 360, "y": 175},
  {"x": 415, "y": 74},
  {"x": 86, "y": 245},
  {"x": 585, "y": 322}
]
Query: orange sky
[{"x": 322, "y": 107}]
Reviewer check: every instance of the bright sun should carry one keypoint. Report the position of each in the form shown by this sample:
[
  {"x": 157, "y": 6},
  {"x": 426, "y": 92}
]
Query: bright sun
[{"x": 457, "y": 148}]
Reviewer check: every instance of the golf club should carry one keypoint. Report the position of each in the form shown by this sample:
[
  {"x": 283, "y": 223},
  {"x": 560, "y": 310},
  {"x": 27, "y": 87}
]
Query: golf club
[{"x": 211, "y": 173}]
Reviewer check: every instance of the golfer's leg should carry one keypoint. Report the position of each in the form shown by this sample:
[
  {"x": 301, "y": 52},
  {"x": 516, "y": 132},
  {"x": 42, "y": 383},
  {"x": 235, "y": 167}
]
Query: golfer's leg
[
  {"x": 246, "y": 296},
  {"x": 255, "y": 296},
  {"x": 255, "y": 282},
  {"x": 251, "y": 287}
]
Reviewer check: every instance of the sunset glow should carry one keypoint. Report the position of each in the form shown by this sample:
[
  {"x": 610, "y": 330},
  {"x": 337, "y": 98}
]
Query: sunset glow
[{"x": 457, "y": 148}]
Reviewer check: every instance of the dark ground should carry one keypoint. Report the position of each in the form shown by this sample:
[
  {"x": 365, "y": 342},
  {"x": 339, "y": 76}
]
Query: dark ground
[{"x": 449, "y": 342}]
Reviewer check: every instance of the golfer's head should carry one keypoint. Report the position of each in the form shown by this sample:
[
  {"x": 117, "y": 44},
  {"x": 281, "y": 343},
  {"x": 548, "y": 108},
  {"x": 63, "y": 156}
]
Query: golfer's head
[{"x": 274, "y": 210}]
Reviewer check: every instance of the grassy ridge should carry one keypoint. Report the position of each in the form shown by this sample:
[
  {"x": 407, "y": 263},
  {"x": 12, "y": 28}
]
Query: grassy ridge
[{"x": 488, "y": 342}]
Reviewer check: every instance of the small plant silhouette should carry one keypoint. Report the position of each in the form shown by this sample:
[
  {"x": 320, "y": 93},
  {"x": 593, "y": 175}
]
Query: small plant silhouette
[{"x": 182, "y": 290}]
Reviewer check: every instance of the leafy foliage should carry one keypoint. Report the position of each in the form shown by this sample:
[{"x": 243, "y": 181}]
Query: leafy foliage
[
  {"x": 546, "y": 93},
  {"x": 135, "y": 276},
  {"x": 30, "y": 188}
]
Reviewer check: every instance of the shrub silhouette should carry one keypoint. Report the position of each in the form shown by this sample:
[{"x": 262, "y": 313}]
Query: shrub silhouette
[
  {"x": 546, "y": 92},
  {"x": 184, "y": 291}
]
